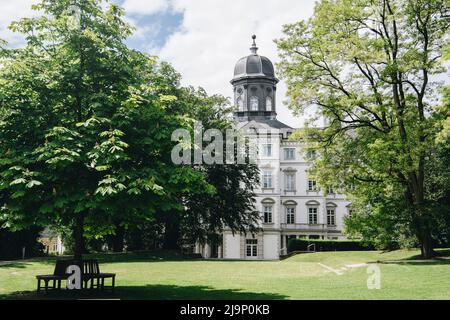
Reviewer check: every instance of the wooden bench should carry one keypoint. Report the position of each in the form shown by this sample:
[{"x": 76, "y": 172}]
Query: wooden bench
[
  {"x": 53, "y": 281},
  {"x": 91, "y": 277},
  {"x": 96, "y": 279}
]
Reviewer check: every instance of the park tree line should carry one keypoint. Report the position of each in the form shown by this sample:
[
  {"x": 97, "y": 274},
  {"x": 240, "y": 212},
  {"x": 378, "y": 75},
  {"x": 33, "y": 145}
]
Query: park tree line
[
  {"x": 85, "y": 138},
  {"x": 372, "y": 70}
]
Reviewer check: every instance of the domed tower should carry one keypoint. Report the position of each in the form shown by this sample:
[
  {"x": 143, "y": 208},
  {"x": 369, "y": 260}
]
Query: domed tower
[{"x": 255, "y": 86}]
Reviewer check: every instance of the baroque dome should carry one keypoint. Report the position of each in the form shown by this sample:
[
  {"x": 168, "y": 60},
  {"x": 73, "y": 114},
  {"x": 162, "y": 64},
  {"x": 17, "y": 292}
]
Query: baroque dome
[{"x": 254, "y": 65}]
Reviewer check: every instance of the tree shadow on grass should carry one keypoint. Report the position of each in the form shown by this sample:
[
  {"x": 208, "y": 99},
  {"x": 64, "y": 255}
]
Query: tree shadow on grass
[
  {"x": 25, "y": 263},
  {"x": 20, "y": 265},
  {"x": 432, "y": 262},
  {"x": 442, "y": 257},
  {"x": 173, "y": 292},
  {"x": 150, "y": 292}
]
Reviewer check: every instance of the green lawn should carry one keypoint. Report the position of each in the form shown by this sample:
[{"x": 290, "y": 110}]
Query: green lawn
[{"x": 304, "y": 276}]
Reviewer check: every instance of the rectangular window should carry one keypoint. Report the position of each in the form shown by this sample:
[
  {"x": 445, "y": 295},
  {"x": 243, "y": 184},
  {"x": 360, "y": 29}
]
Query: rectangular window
[
  {"x": 330, "y": 190},
  {"x": 252, "y": 247},
  {"x": 290, "y": 215},
  {"x": 312, "y": 219},
  {"x": 267, "y": 210},
  {"x": 267, "y": 150},
  {"x": 267, "y": 179},
  {"x": 289, "y": 154},
  {"x": 312, "y": 186},
  {"x": 290, "y": 182},
  {"x": 331, "y": 217}
]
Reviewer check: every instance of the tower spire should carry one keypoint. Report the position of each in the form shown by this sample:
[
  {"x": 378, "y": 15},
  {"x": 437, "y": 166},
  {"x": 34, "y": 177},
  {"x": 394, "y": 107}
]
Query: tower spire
[{"x": 254, "y": 48}]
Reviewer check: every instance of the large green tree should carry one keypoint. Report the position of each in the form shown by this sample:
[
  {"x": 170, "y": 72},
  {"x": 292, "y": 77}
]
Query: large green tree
[
  {"x": 367, "y": 66},
  {"x": 84, "y": 125},
  {"x": 232, "y": 205}
]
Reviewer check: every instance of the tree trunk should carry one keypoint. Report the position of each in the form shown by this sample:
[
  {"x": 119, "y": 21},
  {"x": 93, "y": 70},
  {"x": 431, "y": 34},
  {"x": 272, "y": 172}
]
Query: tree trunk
[
  {"x": 118, "y": 239},
  {"x": 172, "y": 231},
  {"x": 78, "y": 234},
  {"x": 423, "y": 227},
  {"x": 426, "y": 246}
]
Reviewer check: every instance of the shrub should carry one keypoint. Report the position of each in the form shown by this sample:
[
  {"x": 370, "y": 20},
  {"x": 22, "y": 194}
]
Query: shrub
[{"x": 329, "y": 245}]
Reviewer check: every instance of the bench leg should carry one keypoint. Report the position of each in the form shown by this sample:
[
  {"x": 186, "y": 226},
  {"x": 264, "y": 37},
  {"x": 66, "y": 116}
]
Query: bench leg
[
  {"x": 39, "y": 285},
  {"x": 46, "y": 285},
  {"x": 113, "y": 283}
]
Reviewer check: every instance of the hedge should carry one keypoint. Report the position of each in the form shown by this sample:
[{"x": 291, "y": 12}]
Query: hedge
[{"x": 328, "y": 245}]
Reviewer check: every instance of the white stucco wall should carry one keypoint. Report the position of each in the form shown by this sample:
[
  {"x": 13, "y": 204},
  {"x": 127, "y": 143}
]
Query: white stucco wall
[
  {"x": 271, "y": 246},
  {"x": 232, "y": 246}
]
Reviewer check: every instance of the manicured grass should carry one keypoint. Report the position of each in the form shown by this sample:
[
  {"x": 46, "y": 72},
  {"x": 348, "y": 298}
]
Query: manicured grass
[{"x": 304, "y": 276}]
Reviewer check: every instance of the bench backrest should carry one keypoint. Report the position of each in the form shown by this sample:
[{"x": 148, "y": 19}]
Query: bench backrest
[
  {"x": 61, "y": 267},
  {"x": 91, "y": 266}
]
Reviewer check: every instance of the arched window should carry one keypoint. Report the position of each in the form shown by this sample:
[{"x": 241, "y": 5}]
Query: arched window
[
  {"x": 254, "y": 103},
  {"x": 268, "y": 104},
  {"x": 290, "y": 214},
  {"x": 240, "y": 103},
  {"x": 331, "y": 216},
  {"x": 267, "y": 213}
]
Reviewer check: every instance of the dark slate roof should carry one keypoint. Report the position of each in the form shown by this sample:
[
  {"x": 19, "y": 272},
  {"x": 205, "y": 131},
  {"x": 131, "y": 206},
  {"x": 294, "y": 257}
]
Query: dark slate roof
[
  {"x": 264, "y": 123},
  {"x": 254, "y": 65}
]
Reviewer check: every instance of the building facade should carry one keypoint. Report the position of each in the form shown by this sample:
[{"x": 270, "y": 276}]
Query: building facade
[
  {"x": 289, "y": 201},
  {"x": 52, "y": 242}
]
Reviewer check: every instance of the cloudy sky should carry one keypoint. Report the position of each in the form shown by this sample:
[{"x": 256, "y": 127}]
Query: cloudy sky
[{"x": 203, "y": 39}]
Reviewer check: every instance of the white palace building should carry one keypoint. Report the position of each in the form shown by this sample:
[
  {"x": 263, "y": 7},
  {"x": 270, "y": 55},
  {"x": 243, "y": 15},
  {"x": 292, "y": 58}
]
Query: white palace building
[{"x": 290, "y": 203}]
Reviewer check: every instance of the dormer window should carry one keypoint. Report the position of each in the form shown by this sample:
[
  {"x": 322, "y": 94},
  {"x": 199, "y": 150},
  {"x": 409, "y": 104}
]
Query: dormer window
[
  {"x": 268, "y": 104},
  {"x": 254, "y": 103}
]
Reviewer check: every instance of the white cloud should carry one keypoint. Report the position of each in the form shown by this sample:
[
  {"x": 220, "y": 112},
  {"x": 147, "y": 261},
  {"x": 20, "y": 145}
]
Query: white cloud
[
  {"x": 12, "y": 11},
  {"x": 145, "y": 7},
  {"x": 216, "y": 33}
]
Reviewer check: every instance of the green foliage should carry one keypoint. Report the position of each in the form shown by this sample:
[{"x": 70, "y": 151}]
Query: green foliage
[
  {"x": 85, "y": 124},
  {"x": 329, "y": 245},
  {"x": 11, "y": 243},
  {"x": 85, "y": 132},
  {"x": 230, "y": 200},
  {"x": 366, "y": 67}
]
